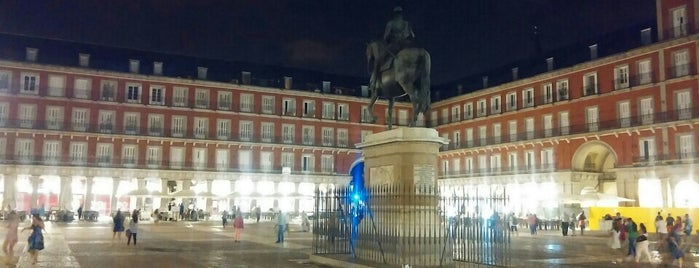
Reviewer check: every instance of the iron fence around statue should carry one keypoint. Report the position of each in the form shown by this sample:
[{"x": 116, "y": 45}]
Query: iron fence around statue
[{"x": 415, "y": 225}]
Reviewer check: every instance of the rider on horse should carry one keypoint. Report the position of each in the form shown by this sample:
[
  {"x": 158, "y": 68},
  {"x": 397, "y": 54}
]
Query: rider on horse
[{"x": 395, "y": 37}]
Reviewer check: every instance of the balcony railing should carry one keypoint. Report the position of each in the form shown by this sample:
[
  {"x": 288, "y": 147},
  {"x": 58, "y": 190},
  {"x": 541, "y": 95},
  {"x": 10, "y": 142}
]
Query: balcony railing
[
  {"x": 115, "y": 162},
  {"x": 541, "y": 168},
  {"x": 679, "y": 31},
  {"x": 669, "y": 116},
  {"x": 680, "y": 70}
]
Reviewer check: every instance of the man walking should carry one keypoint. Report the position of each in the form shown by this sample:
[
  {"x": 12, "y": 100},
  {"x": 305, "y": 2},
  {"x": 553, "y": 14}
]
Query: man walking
[{"x": 281, "y": 226}]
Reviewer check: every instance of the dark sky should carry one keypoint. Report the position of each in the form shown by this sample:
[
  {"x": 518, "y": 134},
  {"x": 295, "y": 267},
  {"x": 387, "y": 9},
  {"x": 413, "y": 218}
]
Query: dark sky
[{"x": 463, "y": 36}]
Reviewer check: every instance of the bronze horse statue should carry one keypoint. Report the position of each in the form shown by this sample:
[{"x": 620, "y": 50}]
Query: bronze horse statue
[{"x": 408, "y": 75}]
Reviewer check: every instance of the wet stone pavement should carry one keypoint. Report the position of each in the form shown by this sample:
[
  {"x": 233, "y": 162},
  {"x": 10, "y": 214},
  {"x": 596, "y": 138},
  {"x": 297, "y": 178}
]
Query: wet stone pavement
[{"x": 207, "y": 244}]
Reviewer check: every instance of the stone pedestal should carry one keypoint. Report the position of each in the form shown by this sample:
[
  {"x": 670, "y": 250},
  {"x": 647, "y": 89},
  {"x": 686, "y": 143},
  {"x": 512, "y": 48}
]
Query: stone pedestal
[{"x": 400, "y": 169}]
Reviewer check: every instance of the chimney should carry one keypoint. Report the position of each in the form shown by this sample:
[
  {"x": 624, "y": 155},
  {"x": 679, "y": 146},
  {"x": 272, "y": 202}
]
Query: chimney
[
  {"x": 32, "y": 54},
  {"x": 549, "y": 64},
  {"x": 515, "y": 73},
  {"x": 134, "y": 65},
  {"x": 288, "y": 82},
  {"x": 460, "y": 89},
  {"x": 84, "y": 60},
  {"x": 485, "y": 82},
  {"x": 645, "y": 36},
  {"x": 246, "y": 77},
  {"x": 593, "y": 52},
  {"x": 365, "y": 91},
  {"x": 157, "y": 68},
  {"x": 326, "y": 86},
  {"x": 201, "y": 73}
]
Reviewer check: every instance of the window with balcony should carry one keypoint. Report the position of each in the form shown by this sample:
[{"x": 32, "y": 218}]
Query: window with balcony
[
  {"x": 222, "y": 159},
  {"x": 129, "y": 155},
  {"x": 483, "y": 135},
  {"x": 468, "y": 110},
  {"x": 81, "y": 119},
  {"x": 495, "y": 163},
  {"x": 679, "y": 22},
  {"x": 201, "y": 98},
  {"x": 268, "y": 104},
  {"x": 342, "y": 137},
  {"x": 309, "y": 108},
  {"x": 512, "y": 101},
  {"x": 456, "y": 165},
  {"x": 266, "y": 161},
  {"x": 562, "y": 89},
  {"x": 267, "y": 132},
  {"x": 366, "y": 116},
  {"x": 223, "y": 129},
  {"x": 547, "y": 160},
  {"x": 133, "y": 93},
  {"x": 680, "y": 63},
  {"x": 179, "y": 126},
  {"x": 364, "y": 133},
  {"x": 645, "y": 73},
  {"x": 307, "y": 163},
  {"x": 155, "y": 124},
  {"x": 54, "y": 117},
  {"x": 456, "y": 139},
  {"x": 246, "y": 103},
  {"x": 288, "y": 160},
  {"x": 512, "y": 161},
  {"x": 495, "y": 105},
  {"x": 469, "y": 137},
  {"x": 528, "y": 97},
  {"x": 29, "y": 83},
  {"x": 456, "y": 113},
  {"x": 547, "y": 122},
  {"x": 288, "y": 134},
  {"x": 343, "y": 111},
  {"x": 27, "y": 115},
  {"x": 201, "y": 127},
  {"x": 106, "y": 119},
  {"x": 5, "y": 80},
  {"x": 683, "y": 105},
  {"x": 443, "y": 119},
  {"x": 481, "y": 108},
  {"x": 328, "y": 110},
  {"x": 157, "y": 95},
  {"x": 685, "y": 147},
  {"x": 225, "y": 100},
  {"x": 289, "y": 107},
  {"x": 647, "y": 149},
  {"x": 52, "y": 151},
  {"x": 308, "y": 133},
  {"x": 529, "y": 160},
  {"x": 4, "y": 113},
  {"x": 199, "y": 158},
  {"x": 245, "y": 129},
  {"x": 646, "y": 111},
  {"x": 468, "y": 165},
  {"x": 547, "y": 93},
  {"x": 512, "y": 130},
  {"x": 624, "y": 114},
  {"x": 179, "y": 97},
  {"x": 529, "y": 127},
  {"x": 245, "y": 160},
  {"x": 82, "y": 88},
  {"x": 482, "y": 163},
  {"x": 621, "y": 77},
  {"x": 24, "y": 150},
  {"x": 563, "y": 123},
  {"x": 327, "y": 163},
  {"x": 497, "y": 133},
  {"x": 78, "y": 152},
  {"x": 57, "y": 85},
  {"x": 104, "y": 154},
  {"x": 176, "y": 157},
  {"x": 328, "y": 136},
  {"x": 108, "y": 90},
  {"x": 153, "y": 156},
  {"x": 590, "y": 84},
  {"x": 592, "y": 118}
]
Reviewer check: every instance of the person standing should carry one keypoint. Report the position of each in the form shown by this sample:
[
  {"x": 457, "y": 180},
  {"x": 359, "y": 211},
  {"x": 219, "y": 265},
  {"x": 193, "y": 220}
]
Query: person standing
[
  {"x": 632, "y": 234},
  {"x": 615, "y": 232},
  {"x": 133, "y": 231},
  {"x": 581, "y": 222},
  {"x": 224, "y": 218},
  {"x": 118, "y": 224},
  {"x": 8, "y": 246},
  {"x": 305, "y": 224},
  {"x": 642, "y": 244},
  {"x": 181, "y": 211},
  {"x": 238, "y": 224},
  {"x": 80, "y": 212},
  {"x": 669, "y": 222},
  {"x": 673, "y": 244},
  {"x": 688, "y": 226},
  {"x": 564, "y": 224},
  {"x": 660, "y": 227},
  {"x": 281, "y": 226},
  {"x": 35, "y": 242},
  {"x": 257, "y": 214}
]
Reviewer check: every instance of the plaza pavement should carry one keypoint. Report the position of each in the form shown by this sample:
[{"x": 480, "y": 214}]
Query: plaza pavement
[{"x": 207, "y": 244}]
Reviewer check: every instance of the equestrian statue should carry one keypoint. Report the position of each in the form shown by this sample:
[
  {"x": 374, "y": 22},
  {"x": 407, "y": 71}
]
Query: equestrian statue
[{"x": 398, "y": 68}]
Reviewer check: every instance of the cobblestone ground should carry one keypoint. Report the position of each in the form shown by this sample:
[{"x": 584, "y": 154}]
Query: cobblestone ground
[{"x": 207, "y": 244}]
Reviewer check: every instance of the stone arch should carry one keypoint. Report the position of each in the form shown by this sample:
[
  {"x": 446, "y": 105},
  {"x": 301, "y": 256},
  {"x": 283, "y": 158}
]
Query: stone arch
[{"x": 594, "y": 156}]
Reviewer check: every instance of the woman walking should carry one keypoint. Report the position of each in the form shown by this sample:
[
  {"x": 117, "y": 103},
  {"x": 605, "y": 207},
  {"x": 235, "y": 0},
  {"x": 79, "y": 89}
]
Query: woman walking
[
  {"x": 133, "y": 231},
  {"x": 8, "y": 246},
  {"x": 238, "y": 225},
  {"x": 118, "y": 225},
  {"x": 36, "y": 239},
  {"x": 642, "y": 244}
]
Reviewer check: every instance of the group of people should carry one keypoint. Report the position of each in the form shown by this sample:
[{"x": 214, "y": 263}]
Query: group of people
[
  {"x": 35, "y": 241},
  {"x": 636, "y": 236},
  {"x": 118, "y": 226}
]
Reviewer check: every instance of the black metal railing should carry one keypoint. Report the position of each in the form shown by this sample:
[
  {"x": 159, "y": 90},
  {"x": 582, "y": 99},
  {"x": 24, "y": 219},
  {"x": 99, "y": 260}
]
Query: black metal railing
[
  {"x": 641, "y": 79},
  {"x": 679, "y": 31},
  {"x": 500, "y": 170},
  {"x": 590, "y": 89},
  {"x": 668, "y": 116},
  {"x": 680, "y": 70}
]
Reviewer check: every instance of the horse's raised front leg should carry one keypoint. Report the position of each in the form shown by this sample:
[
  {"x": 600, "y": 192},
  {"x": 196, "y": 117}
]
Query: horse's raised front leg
[{"x": 374, "y": 97}]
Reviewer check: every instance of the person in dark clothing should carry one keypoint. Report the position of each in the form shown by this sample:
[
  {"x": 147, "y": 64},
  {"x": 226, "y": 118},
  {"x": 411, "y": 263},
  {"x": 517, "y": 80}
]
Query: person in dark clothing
[{"x": 80, "y": 212}]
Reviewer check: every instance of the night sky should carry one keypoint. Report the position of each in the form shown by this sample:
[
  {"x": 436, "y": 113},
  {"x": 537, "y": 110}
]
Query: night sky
[{"x": 463, "y": 36}]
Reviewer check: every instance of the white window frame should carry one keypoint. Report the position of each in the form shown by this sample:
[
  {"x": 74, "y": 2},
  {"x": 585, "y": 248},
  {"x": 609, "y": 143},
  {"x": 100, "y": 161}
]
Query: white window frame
[
  {"x": 528, "y": 97},
  {"x": 201, "y": 127},
  {"x": 647, "y": 149},
  {"x": 245, "y": 131},
  {"x": 328, "y": 136},
  {"x": 57, "y": 85},
  {"x": 468, "y": 110},
  {"x": 82, "y": 87},
  {"x": 129, "y": 155},
  {"x": 624, "y": 113},
  {"x": 644, "y": 70},
  {"x": 108, "y": 90},
  {"x": 482, "y": 110},
  {"x": 80, "y": 119},
  {"x": 683, "y": 104},
  {"x": 199, "y": 158},
  {"x": 495, "y": 105},
  {"x": 201, "y": 98},
  {"x": 156, "y": 124},
  {"x": 4, "y": 113},
  {"x": 343, "y": 111},
  {"x": 179, "y": 126},
  {"x": 288, "y": 133},
  {"x": 512, "y": 101},
  {"x": 267, "y": 130},
  {"x": 223, "y": 159},
  {"x": 327, "y": 163},
  {"x": 54, "y": 117},
  {"x": 52, "y": 151},
  {"x": 562, "y": 90},
  {"x": 179, "y": 96},
  {"x": 328, "y": 110},
  {"x": 342, "y": 137},
  {"x": 308, "y": 135},
  {"x": 266, "y": 161},
  {"x": 621, "y": 77},
  {"x": 308, "y": 108},
  {"x": 288, "y": 160},
  {"x": 307, "y": 163},
  {"x": 224, "y": 100},
  {"x": 133, "y": 93},
  {"x": 680, "y": 63},
  {"x": 154, "y": 156},
  {"x": 5, "y": 80},
  {"x": 244, "y": 160},
  {"x": 223, "y": 129},
  {"x": 547, "y": 159},
  {"x": 132, "y": 122},
  {"x": 29, "y": 83},
  {"x": 247, "y": 102},
  {"x": 24, "y": 149},
  {"x": 268, "y": 104},
  {"x": 289, "y": 106},
  {"x": 547, "y": 92},
  {"x": 27, "y": 115},
  {"x": 106, "y": 120},
  {"x": 646, "y": 110},
  {"x": 590, "y": 84}
]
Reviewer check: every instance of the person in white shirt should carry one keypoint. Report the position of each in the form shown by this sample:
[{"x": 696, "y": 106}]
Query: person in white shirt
[
  {"x": 642, "y": 244},
  {"x": 661, "y": 228}
]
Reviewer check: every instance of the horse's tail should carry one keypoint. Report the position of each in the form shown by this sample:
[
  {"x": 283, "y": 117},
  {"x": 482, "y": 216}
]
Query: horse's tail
[{"x": 424, "y": 66}]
